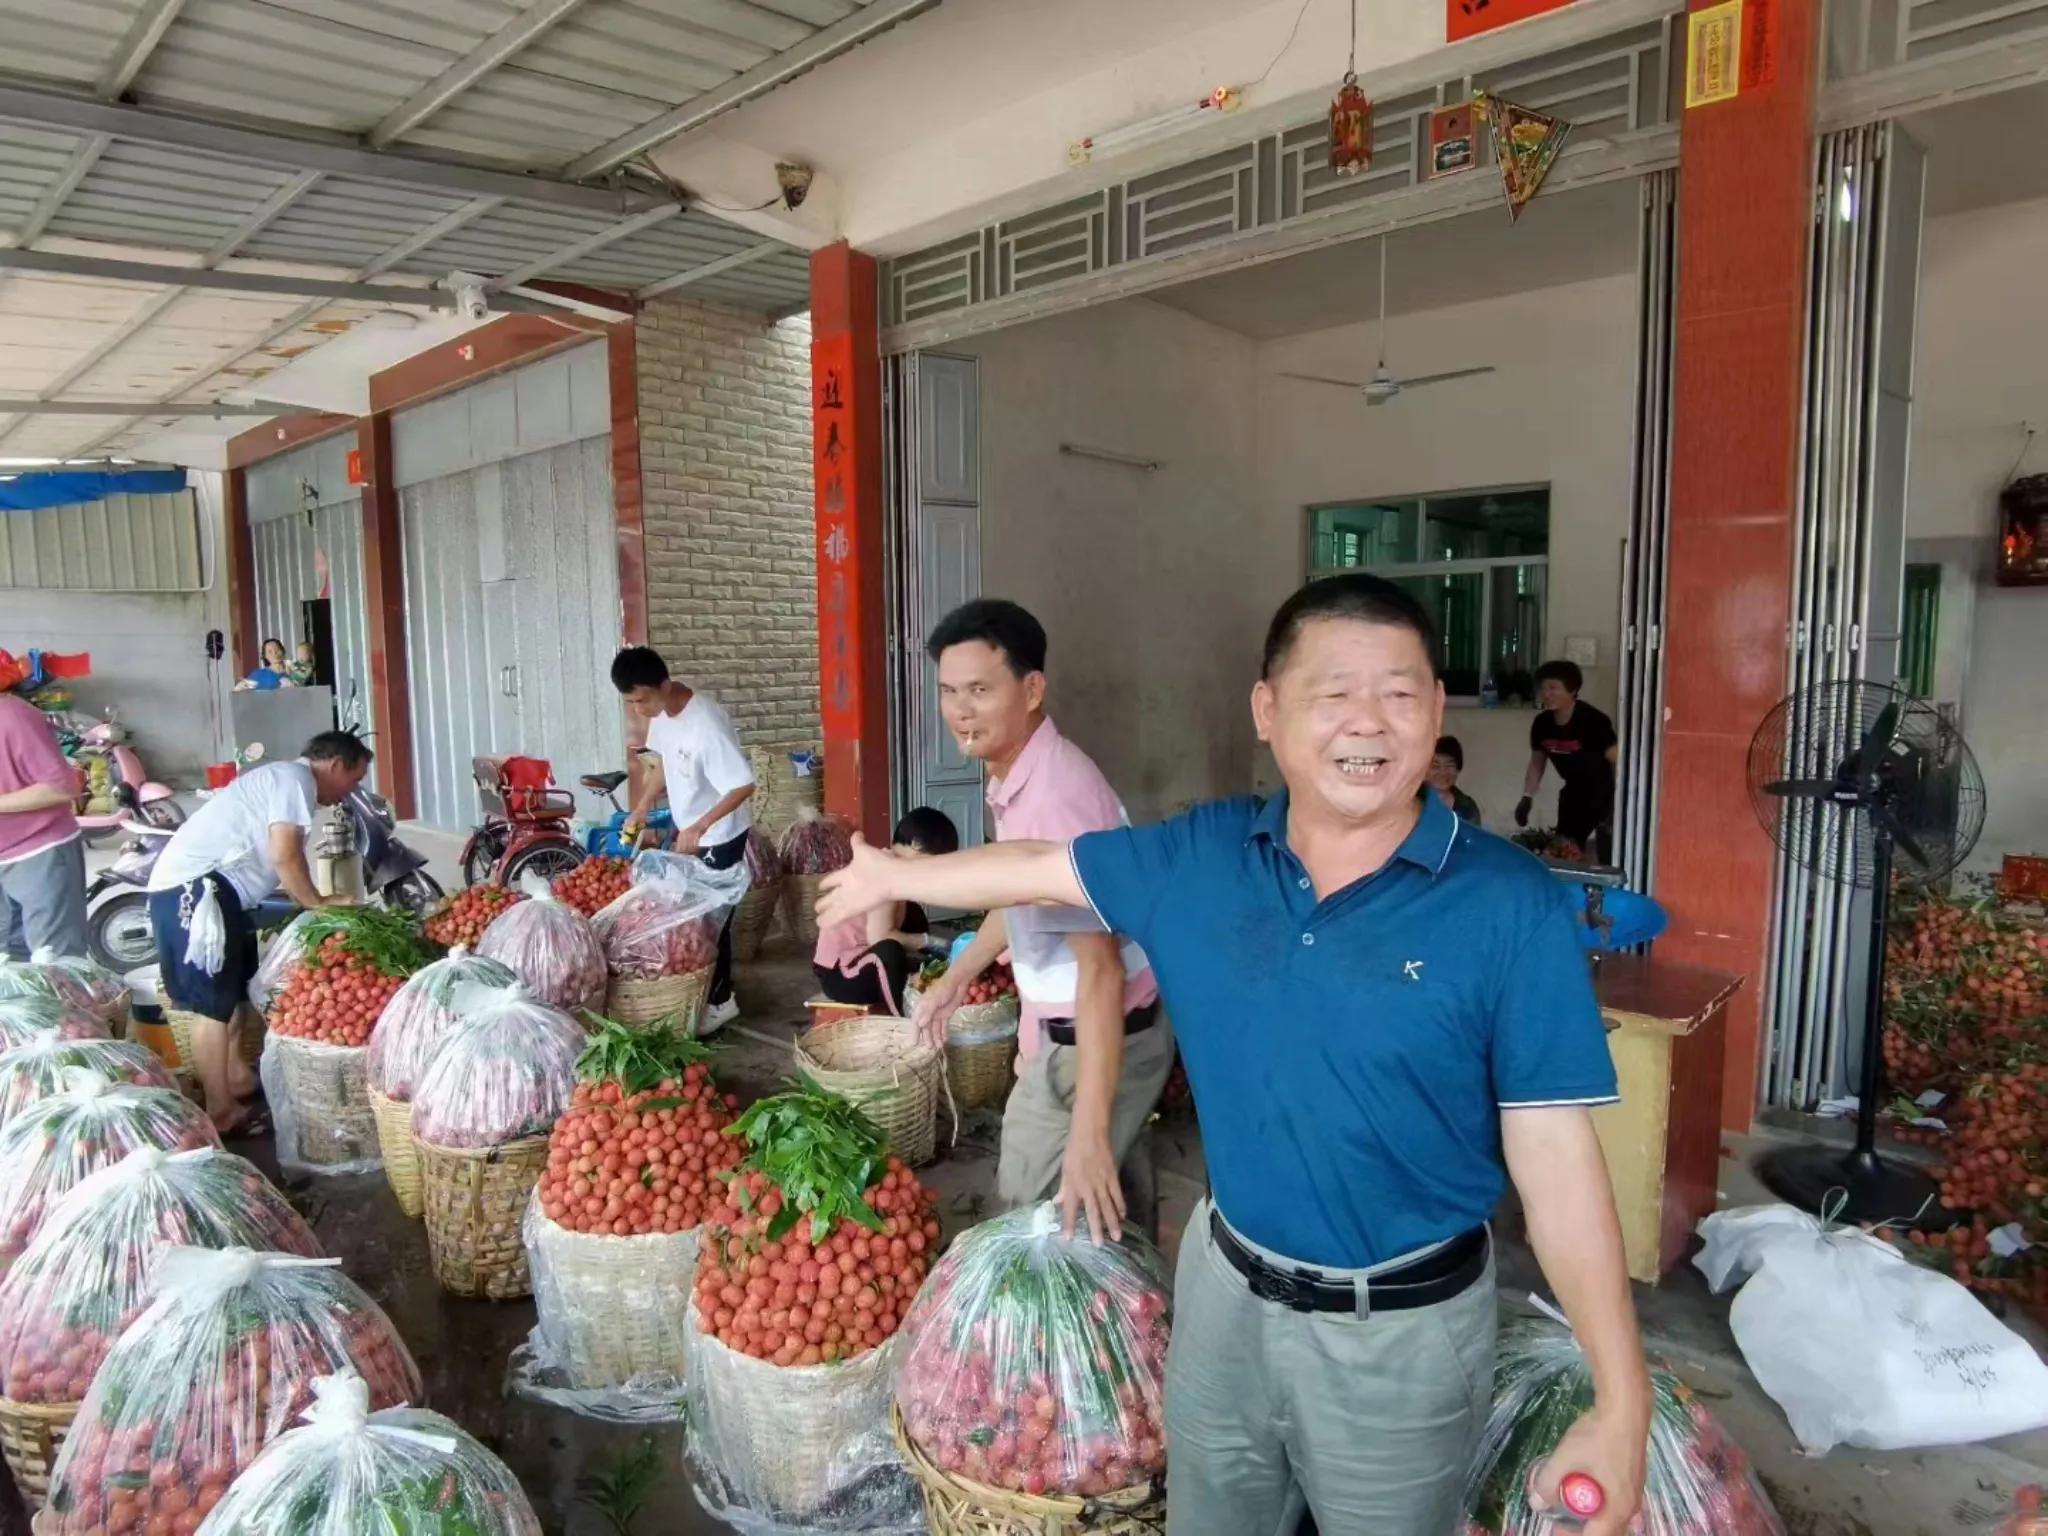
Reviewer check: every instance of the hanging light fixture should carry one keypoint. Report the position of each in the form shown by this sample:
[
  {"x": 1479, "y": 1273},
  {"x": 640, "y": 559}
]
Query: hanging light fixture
[{"x": 1351, "y": 116}]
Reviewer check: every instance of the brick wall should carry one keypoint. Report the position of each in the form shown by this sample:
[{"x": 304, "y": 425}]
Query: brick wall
[{"x": 725, "y": 443}]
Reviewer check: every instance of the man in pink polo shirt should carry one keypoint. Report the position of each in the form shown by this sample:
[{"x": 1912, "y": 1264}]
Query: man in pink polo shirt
[
  {"x": 1086, "y": 992},
  {"x": 42, "y": 861}
]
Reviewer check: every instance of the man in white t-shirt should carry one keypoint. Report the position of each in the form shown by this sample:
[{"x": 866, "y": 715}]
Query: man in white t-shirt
[
  {"x": 243, "y": 844},
  {"x": 709, "y": 784}
]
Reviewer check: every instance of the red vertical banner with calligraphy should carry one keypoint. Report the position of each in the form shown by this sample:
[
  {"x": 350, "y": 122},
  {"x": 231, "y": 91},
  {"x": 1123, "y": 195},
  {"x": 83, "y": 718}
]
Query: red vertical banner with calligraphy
[{"x": 846, "y": 467}]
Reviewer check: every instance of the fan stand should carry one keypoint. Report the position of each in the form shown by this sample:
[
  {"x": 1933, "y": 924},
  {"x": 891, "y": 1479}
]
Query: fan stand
[{"x": 1857, "y": 1185}]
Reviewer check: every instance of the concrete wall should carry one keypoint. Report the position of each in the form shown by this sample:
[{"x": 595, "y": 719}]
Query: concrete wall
[
  {"x": 1558, "y": 410},
  {"x": 148, "y": 652},
  {"x": 725, "y": 443},
  {"x": 1980, "y": 372},
  {"x": 1140, "y": 578}
]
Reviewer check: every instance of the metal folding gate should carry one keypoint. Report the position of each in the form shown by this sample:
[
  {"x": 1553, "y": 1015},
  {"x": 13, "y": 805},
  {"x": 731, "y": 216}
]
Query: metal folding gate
[
  {"x": 1639, "y": 710},
  {"x": 1849, "y": 562}
]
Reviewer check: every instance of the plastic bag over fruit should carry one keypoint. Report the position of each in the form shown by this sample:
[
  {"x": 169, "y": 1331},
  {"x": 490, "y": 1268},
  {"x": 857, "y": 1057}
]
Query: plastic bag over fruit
[
  {"x": 764, "y": 864},
  {"x": 816, "y": 844},
  {"x": 22, "y": 1019},
  {"x": 347, "y": 1471},
  {"x": 668, "y": 921},
  {"x": 86, "y": 1276},
  {"x": 549, "y": 946},
  {"x": 36, "y": 1069},
  {"x": 424, "y": 1012},
  {"x": 70, "y": 979},
  {"x": 56, "y": 1143},
  {"x": 275, "y": 968},
  {"x": 503, "y": 1073},
  {"x": 1861, "y": 1346},
  {"x": 220, "y": 1363},
  {"x": 1698, "y": 1483},
  {"x": 1037, "y": 1362}
]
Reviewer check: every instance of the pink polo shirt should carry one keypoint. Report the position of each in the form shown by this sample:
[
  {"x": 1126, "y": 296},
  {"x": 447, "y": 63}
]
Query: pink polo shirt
[
  {"x": 1054, "y": 793},
  {"x": 29, "y": 756}
]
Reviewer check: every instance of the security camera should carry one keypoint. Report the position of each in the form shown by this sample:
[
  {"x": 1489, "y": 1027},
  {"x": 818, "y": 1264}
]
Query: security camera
[
  {"x": 795, "y": 181},
  {"x": 471, "y": 302}
]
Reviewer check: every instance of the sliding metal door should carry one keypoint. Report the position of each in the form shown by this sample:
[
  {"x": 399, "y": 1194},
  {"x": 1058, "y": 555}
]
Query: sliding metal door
[{"x": 1849, "y": 562}]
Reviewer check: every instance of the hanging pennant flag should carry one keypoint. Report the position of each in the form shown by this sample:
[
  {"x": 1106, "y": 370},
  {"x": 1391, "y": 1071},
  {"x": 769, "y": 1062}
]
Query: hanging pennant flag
[{"x": 1526, "y": 143}]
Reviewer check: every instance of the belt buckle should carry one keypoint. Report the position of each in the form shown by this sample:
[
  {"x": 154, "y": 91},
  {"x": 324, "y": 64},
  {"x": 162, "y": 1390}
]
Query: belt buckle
[{"x": 1290, "y": 1289}]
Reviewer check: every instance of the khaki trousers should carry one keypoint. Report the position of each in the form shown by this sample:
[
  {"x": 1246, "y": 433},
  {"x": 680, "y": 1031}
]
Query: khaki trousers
[
  {"x": 1370, "y": 1422},
  {"x": 1041, "y": 1108}
]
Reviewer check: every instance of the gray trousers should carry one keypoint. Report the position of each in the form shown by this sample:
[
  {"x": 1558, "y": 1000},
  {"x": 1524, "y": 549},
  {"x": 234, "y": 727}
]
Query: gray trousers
[
  {"x": 1369, "y": 1422},
  {"x": 42, "y": 902},
  {"x": 1041, "y": 1108}
]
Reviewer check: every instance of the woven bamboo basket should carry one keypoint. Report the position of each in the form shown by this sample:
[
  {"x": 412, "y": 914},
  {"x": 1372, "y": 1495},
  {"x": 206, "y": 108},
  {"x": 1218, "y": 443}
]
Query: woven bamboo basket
[
  {"x": 754, "y": 919},
  {"x": 779, "y": 1436},
  {"x": 640, "y": 1004},
  {"x": 248, "y": 1036},
  {"x": 401, "y": 1153},
  {"x": 330, "y": 1100},
  {"x": 611, "y": 1308},
  {"x": 179, "y": 1023},
  {"x": 981, "y": 1044},
  {"x": 474, "y": 1199},
  {"x": 956, "y": 1506},
  {"x": 31, "y": 1435},
  {"x": 802, "y": 902},
  {"x": 881, "y": 1065}
]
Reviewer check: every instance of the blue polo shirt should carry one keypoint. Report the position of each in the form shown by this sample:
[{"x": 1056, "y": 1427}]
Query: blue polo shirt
[{"x": 1351, "y": 1057}]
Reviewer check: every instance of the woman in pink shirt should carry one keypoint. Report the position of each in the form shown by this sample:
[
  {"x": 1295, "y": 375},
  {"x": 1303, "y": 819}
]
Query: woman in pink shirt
[
  {"x": 42, "y": 860},
  {"x": 866, "y": 960}
]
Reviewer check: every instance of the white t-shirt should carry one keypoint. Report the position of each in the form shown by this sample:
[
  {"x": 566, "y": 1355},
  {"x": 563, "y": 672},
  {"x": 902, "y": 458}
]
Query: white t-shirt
[
  {"x": 230, "y": 834},
  {"x": 702, "y": 763}
]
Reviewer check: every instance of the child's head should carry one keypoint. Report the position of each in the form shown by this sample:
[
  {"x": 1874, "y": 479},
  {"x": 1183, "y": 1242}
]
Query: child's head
[
  {"x": 305, "y": 652},
  {"x": 924, "y": 831}
]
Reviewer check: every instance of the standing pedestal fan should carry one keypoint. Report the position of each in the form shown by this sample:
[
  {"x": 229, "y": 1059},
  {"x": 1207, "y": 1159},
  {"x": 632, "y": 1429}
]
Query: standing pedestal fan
[{"x": 1859, "y": 782}]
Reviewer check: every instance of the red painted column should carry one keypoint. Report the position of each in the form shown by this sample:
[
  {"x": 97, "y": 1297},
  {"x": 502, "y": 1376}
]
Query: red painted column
[
  {"x": 1745, "y": 214},
  {"x": 384, "y": 601},
  {"x": 628, "y": 506},
  {"x": 846, "y": 453},
  {"x": 243, "y": 642}
]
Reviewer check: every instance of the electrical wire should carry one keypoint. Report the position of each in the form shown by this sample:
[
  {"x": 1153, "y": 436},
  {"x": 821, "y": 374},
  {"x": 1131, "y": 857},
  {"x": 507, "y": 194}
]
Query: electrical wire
[
  {"x": 2026, "y": 447},
  {"x": 1292, "y": 33}
]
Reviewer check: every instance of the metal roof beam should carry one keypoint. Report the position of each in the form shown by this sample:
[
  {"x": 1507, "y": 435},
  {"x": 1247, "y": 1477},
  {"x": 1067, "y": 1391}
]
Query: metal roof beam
[
  {"x": 83, "y": 159},
  {"x": 828, "y": 43},
  {"x": 706, "y": 269},
  {"x": 420, "y": 240},
  {"x": 127, "y": 408},
  {"x": 144, "y": 33},
  {"x": 577, "y": 250},
  {"x": 470, "y": 68},
  {"x": 37, "y": 107},
  {"x": 64, "y": 265}
]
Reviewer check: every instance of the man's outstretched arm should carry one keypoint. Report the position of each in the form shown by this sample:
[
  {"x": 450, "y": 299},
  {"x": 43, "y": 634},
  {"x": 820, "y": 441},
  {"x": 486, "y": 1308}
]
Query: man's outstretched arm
[{"x": 980, "y": 879}]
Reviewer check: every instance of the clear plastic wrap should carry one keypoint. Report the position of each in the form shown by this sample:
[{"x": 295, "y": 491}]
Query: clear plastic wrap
[
  {"x": 86, "y": 1276},
  {"x": 348, "y": 1471},
  {"x": 764, "y": 863},
  {"x": 56, "y": 1143},
  {"x": 71, "y": 980},
  {"x": 506, "y": 1072},
  {"x": 220, "y": 1363},
  {"x": 37, "y": 1069},
  {"x": 667, "y": 922},
  {"x": 319, "y": 1098},
  {"x": 1036, "y": 1362},
  {"x": 1699, "y": 1483},
  {"x": 423, "y": 1012},
  {"x": 551, "y": 947},
  {"x": 24, "y": 1018},
  {"x": 275, "y": 968},
  {"x": 816, "y": 844}
]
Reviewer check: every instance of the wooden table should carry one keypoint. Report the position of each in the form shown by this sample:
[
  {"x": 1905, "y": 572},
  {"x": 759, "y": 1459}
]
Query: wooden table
[{"x": 1665, "y": 1023}]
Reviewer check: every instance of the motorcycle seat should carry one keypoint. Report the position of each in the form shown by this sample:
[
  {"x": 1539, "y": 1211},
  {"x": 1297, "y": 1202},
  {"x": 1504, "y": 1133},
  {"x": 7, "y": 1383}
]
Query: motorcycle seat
[{"x": 602, "y": 783}]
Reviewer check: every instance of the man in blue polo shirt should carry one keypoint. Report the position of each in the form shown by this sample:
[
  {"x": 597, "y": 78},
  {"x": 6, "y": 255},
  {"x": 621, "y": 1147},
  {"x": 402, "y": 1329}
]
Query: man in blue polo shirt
[{"x": 1385, "y": 1015}]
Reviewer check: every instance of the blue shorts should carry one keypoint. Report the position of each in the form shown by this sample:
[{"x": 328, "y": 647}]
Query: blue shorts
[{"x": 188, "y": 987}]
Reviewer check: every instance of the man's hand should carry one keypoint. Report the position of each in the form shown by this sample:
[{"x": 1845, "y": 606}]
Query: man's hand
[
  {"x": 858, "y": 889},
  {"x": 1522, "y": 809},
  {"x": 1608, "y": 1450},
  {"x": 689, "y": 840},
  {"x": 936, "y": 1006},
  {"x": 1088, "y": 1181}
]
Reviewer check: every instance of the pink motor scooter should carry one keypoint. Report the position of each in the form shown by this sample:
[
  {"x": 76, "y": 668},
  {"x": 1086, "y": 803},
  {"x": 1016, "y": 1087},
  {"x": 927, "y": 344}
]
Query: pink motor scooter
[{"x": 133, "y": 792}]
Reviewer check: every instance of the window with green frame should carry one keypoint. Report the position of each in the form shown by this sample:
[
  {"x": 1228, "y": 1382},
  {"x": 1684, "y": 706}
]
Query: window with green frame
[
  {"x": 1477, "y": 561},
  {"x": 1922, "y": 622}
]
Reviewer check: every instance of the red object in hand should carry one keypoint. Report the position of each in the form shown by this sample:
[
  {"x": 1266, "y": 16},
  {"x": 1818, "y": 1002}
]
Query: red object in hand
[{"x": 1582, "y": 1496}]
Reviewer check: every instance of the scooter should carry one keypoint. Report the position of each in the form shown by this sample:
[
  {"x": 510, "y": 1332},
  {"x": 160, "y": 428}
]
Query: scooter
[
  {"x": 108, "y": 766},
  {"x": 393, "y": 873}
]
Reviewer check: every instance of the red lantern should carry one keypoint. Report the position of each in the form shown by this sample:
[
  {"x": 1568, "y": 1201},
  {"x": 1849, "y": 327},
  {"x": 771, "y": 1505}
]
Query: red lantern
[{"x": 1350, "y": 129}]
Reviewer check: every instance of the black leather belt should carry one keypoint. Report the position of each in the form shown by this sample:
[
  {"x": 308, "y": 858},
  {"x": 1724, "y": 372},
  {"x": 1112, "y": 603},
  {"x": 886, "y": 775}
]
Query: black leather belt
[
  {"x": 1136, "y": 1022},
  {"x": 1434, "y": 1277}
]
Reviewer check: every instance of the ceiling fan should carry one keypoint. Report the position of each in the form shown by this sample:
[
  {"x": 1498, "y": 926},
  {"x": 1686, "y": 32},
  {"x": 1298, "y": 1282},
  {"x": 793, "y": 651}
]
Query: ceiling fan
[{"x": 1383, "y": 386}]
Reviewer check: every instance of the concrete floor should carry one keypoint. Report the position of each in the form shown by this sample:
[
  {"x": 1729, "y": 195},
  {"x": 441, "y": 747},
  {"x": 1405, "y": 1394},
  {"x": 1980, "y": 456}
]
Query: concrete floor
[{"x": 462, "y": 1346}]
